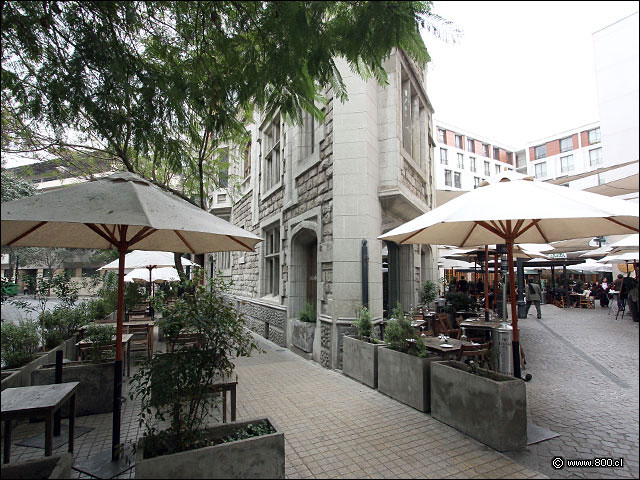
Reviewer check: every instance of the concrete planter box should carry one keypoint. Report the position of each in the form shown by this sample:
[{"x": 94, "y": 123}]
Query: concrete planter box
[
  {"x": 56, "y": 466},
  {"x": 360, "y": 360},
  {"x": 302, "y": 335},
  {"x": 256, "y": 457},
  {"x": 490, "y": 407},
  {"x": 406, "y": 377},
  {"x": 95, "y": 392}
]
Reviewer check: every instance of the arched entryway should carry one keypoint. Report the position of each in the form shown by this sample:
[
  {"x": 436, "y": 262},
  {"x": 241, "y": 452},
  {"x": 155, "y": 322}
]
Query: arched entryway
[{"x": 304, "y": 271}]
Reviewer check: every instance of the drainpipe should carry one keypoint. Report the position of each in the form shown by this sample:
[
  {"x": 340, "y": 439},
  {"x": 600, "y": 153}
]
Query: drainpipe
[{"x": 365, "y": 274}]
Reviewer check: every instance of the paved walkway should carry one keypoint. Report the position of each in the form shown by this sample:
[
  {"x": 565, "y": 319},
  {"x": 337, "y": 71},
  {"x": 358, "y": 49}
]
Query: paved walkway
[{"x": 585, "y": 387}]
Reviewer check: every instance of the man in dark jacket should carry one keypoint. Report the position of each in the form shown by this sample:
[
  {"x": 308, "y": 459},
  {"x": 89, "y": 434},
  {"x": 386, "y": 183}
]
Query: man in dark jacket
[{"x": 533, "y": 294}]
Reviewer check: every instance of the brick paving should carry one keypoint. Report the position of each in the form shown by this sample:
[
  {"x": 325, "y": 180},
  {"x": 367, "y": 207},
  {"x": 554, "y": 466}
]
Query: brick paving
[{"x": 585, "y": 387}]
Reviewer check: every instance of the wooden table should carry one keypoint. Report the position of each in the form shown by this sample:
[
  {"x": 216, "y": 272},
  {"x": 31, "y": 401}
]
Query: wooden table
[
  {"x": 434, "y": 344},
  {"x": 149, "y": 323},
  {"x": 126, "y": 338},
  {"x": 224, "y": 387},
  {"x": 38, "y": 401}
]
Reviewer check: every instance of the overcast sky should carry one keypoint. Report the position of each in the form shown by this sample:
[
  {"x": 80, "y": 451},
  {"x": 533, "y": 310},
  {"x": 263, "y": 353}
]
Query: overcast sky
[{"x": 521, "y": 71}]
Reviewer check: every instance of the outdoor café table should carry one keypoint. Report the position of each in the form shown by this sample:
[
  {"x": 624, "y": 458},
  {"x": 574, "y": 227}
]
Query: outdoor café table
[
  {"x": 149, "y": 323},
  {"x": 126, "y": 338},
  {"x": 38, "y": 401},
  {"x": 479, "y": 324},
  {"x": 434, "y": 344}
]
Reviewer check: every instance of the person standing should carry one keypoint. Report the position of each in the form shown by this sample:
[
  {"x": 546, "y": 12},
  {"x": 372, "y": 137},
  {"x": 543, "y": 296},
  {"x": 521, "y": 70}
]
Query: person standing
[
  {"x": 617, "y": 286},
  {"x": 533, "y": 294}
]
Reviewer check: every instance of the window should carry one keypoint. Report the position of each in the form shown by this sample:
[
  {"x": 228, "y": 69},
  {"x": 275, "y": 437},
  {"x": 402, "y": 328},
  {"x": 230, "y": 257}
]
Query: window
[
  {"x": 470, "y": 143},
  {"x": 459, "y": 141},
  {"x": 601, "y": 179},
  {"x": 497, "y": 169},
  {"x": 594, "y": 136},
  {"x": 272, "y": 261},
  {"x": 246, "y": 160},
  {"x": 223, "y": 175},
  {"x": 414, "y": 121},
  {"x": 595, "y": 157},
  {"x": 496, "y": 153},
  {"x": 566, "y": 163},
  {"x": 447, "y": 178},
  {"x": 566, "y": 144},
  {"x": 460, "y": 160},
  {"x": 443, "y": 156},
  {"x": 541, "y": 151},
  {"x": 457, "y": 180},
  {"x": 485, "y": 150},
  {"x": 476, "y": 182},
  {"x": 487, "y": 170},
  {"x": 541, "y": 170},
  {"x": 272, "y": 152},
  {"x": 223, "y": 260},
  {"x": 472, "y": 163},
  {"x": 441, "y": 135},
  {"x": 307, "y": 135}
]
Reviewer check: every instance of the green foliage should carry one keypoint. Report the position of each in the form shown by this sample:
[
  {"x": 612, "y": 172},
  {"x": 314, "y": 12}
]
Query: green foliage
[
  {"x": 65, "y": 289},
  {"x": 96, "y": 309},
  {"x": 459, "y": 300},
  {"x": 401, "y": 336},
  {"x": 19, "y": 342},
  {"x": 308, "y": 314},
  {"x": 175, "y": 386},
  {"x": 100, "y": 336},
  {"x": 14, "y": 187},
  {"x": 363, "y": 323},
  {"x": 429, "y": 292},
  {"x": 109, "y": 293},
  {"x": 397, "y": 312},
  {"x": 61, "y": 323}
]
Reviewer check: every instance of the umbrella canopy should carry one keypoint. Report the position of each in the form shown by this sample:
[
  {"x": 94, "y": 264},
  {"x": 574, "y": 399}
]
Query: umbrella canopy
[
  {"x": 145, "y": 259},
  {"x": 598, "y": 252},
  {"x": 620, "y": 258},
  {"x": 589, "y": 265},
  {"x": 628, "y": 244},
  {"x": 120, "y": 212},
  {"x": 573, "y": 245},
  {"x": 519, "y": 251},
  {"x": 161, "y": 274},
  {"x": 518, "y": 211}
]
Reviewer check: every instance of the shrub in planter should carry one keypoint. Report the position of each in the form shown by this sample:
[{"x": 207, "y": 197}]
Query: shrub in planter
[
  {"x": 61, "y": 323},
  {"x": 308, "y": 314},
  {"x": 460, "y": 301},
  {"x": 19, "y": 343},
  {"x": 181, "y": 380},
  {"x": 360, "y": 352},
  {"x": 429, "y": 293},
  {"x": 101, "y": 336},
  {"x": 303, "y": 330}
]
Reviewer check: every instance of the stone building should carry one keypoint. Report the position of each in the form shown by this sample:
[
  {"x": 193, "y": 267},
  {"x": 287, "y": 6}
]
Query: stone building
[{"x": 320, "y": 195}]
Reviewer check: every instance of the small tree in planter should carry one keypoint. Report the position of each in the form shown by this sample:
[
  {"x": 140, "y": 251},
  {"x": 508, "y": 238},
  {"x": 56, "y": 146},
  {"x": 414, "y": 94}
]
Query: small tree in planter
[
  {"x": 360, "y": 352},
  {"x": 176, "y": 386},
  {"x": 19, "y": 343},
  {"x": 429, "y": 293}
]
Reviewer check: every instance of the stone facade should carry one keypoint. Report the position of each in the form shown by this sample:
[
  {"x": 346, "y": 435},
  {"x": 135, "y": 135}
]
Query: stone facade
[{"x": 338, "y": 185}]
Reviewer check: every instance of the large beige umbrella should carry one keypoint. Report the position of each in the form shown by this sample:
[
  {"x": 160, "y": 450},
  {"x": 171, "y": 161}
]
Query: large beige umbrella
[
  {"x": 161, "y": 274},
  {"x": 629, "y": 243},
  {"x": 518, "y": 211},
  {"x": 122, "y": 211}
]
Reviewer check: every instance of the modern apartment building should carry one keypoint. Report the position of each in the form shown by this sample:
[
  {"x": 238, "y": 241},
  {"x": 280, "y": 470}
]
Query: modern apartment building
[
  {"x": 319, "y": 195},
  {"x": 463, "y": 160}
]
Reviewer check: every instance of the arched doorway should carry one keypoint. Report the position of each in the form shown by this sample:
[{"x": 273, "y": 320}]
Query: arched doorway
[{"x": 304, "y": 271}]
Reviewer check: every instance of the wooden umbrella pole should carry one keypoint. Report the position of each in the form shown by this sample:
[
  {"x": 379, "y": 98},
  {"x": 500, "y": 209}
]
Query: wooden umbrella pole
[
  {"x": 117, "y": 374},
  {"x": 486, "y": 282},
  {"x": 514, "y": 311},
  {"x": 495, "y": 279}
]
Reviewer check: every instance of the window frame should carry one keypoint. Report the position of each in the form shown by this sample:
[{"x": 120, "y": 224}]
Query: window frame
[
  {"x": 542, "y": 166},
  {"x": 540, "y": 154},
  {"x": 448, "y": 178},
  {"x": 271, "y": 260},
  {"x": 594, "y": 140},
  {"x": 460, "y": 160},
  {"x": 442, "y": 136},
  {"x": 472, "y": 164},
  {"x": 487, "y": 169},
  {"x": 457, "y": 179},
  {"x": 600, "y": 158},
  {"x": 471, "y": 145},
  {"x": 444, "y": 160},
  {"x": 458, "y": 141},
  {"x": 563, "y": 148},
  {"x": 564, "y": 163}
]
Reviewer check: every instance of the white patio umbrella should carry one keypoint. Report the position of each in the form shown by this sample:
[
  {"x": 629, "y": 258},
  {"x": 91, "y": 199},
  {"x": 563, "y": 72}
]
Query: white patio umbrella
[
  {"x": 518, "y": 211},
  {"x": 628, "y": 244},
  {"x": 590, "y": 265},
  {"x": 573, "y": 245},
  {"x": 162, "y": 274},
  {"x": 120, "y": 212}
]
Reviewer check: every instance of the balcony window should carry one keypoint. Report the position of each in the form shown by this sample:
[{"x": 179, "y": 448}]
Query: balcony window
[
  {"x": 441, "y": 136},
  {"x": 595, "y": 157},
  {"x": 460, "y": 160},
  {"x": 472, "y": 163},
  {"x": 487, "y": 169},
  {"x": 594, "y": 136},
  {"x": 470, "y": 145},
  {"x": 566, "y": 144},
  {"x": 485, "y": 150},
  {"x": 496, "y": 153},
  {"x": 457, "y": 180},
  {"x": 443, "y": 156},
  {"x": 414, "y": 122},
  {"x": 476, "y": 182},
  {"x": 566, "y": 163},
  {"x": 459, "y": 141},
  {"x": 447, "y": 178},
  {"x": 541, "y": 151},
  {"x": 541, "y": 170}
]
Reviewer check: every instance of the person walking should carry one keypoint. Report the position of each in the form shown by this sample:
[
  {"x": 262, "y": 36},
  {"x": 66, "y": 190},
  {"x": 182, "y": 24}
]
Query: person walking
[{"x": 533, "y": 294}]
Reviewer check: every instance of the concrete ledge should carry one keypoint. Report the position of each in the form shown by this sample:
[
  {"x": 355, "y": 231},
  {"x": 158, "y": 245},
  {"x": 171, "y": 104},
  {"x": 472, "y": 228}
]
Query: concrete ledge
[
  {"x": 56, "y": 466},
  {"x": 360, "y": 360},
  {"x": 302, "y": 334}
]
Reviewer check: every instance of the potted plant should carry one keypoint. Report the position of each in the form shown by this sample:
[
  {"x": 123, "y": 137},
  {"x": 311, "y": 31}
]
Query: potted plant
[
  {"x": 175, "y": 390},
  {"x": 19, "y": 343},
  {"x": 360, "y": 352},
  {"x": 404, "y": 365},
  {"x": 429, "y": 293},
  {"x": 488, "y": 406},
  {"x": 95, "y": 373},
  {"x": 303, "y": 329}
]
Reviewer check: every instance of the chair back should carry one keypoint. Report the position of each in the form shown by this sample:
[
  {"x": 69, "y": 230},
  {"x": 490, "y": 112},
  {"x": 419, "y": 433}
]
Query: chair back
[{"x": 477, "y": 353}]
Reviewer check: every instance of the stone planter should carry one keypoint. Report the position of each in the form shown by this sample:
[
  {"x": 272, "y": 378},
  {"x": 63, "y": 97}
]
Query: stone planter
[
  {"x": 360, "y": 360},
  {"x": 490, "y": 407},
  {"x": 406, "y": 377},
  {"x": 302, "y": 335},
  {"x": 95, "y": 392},
  {"x": 56, "y": 466},
  {"x": 256, "y": 457}
]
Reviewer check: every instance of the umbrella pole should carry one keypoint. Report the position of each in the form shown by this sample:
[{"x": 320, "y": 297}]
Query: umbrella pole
[
  {"x": 514, "y": 312},
  {"x": 495, "y": 280},
  {"x": 117, "y": 375},
  {"x": 486, "y": 283}
]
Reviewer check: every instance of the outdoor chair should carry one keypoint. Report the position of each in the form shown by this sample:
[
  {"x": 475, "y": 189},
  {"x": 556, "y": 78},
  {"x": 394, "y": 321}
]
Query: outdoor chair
[
  {"x": 446, "y": 328},
  {"x": 559, "y": 302},
  {"x": 183, "y": 340},
  {"x": 478, "y": 353},
  {"x": 587, "y": 302},
  {"x": 140, "y": 341}
]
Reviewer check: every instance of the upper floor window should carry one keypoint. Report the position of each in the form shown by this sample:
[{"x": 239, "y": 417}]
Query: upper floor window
[
  {"x": 476, "y": 182},
  {"x": 541, "y": 151},
  {"x": 414, "y": 121},
  {"x": 510, "y": 158},
  {"x": 497, "y": 169},
  {"x": 441, "y": 135},
  {"x": 272, "y": 260},
  {"x": 223, "y": 175},
  {"x": 566, "y": 163},
  {"x": 459, "y": 141},
  {"x": 246, "y": 160},
  {"x": 485, "y": 150},
  {"x": 472, "y": 163},
  {"x": 443, "y": 156},
  {"x": 460, "y": 160},
  {"x": 566, "y": 144},
  {"x": 307, "y": 135},
  {"x": 447, "y": 178},
  {"x": 594, "y": 135},
  {"x": 595, "y": 157},
  {"x": 487, "y": 167},
  {"x": 541, "y": 170},
  {"x": 457, "y": 180},
  {"x": 470, "y": 145},
  {"x": 273, "y": 150}
]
